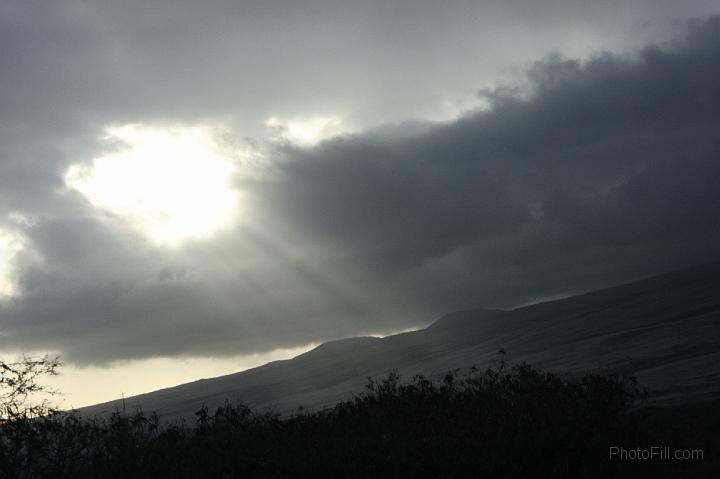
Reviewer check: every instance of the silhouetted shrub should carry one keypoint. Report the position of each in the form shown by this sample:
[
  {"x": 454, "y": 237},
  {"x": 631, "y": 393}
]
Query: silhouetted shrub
[{"x": 499, "y": 422}]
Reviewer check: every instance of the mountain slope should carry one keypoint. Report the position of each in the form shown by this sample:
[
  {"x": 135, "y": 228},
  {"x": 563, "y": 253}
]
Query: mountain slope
[{"x": 665, "y": 329}]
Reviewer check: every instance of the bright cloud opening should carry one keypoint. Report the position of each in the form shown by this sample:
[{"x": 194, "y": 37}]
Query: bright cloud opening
[{"x": 173, "y": 183}]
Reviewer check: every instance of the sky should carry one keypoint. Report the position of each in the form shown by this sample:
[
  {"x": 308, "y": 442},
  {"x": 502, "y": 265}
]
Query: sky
[{"x": 191, "y": 189}]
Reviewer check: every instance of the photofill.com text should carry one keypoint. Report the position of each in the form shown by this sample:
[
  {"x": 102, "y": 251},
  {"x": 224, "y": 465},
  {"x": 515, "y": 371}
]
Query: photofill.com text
[{"x": 655, "y": 453}]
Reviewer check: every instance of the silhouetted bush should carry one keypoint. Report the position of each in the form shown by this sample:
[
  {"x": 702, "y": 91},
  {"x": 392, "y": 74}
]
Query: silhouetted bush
[{"x": 499, "y": 422}]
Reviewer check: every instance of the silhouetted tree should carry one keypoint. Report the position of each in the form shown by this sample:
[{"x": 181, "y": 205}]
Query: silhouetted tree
[{"x": 22, "y": 393}]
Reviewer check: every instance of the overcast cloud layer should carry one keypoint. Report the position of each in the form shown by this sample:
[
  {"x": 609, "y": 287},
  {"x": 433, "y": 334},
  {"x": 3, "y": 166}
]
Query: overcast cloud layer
[{"x": 593, "y": 173}]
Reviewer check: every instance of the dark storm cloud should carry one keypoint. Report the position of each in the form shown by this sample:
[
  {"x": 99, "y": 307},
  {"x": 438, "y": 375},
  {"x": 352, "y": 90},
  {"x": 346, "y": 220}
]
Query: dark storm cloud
[
  {"x": 605, "y": 174},
  {"x": 608, "y": 172}
]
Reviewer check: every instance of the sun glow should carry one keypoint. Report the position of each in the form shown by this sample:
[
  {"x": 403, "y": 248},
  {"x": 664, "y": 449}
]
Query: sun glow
[{"x": 173, "y": 183}]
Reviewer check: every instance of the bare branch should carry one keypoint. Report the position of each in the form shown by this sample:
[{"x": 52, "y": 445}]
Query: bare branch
[{"x": 22, "y": 394}]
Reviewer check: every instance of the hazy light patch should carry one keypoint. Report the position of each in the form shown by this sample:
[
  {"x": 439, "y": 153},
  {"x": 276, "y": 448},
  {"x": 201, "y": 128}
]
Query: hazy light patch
[
  {"x": 173, "y": 183},
  {"x": 12, "y": 244},
  {"x": 92, "y": 385},
  {"x": 398, "y": 331},
  {"x": 306, "y": 132},
  {"x": 21, "y": 220}
]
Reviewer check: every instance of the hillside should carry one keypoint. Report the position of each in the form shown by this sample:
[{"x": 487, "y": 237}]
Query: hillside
[{"x": 664, "y": 329}]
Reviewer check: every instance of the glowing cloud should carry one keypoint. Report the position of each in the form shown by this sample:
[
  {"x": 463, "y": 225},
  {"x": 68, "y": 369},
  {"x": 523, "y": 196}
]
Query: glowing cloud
[
  {"x": 170, "y": 182},
  {"x": 11, "y": 244},
  {"x": 306, "y": 132}
]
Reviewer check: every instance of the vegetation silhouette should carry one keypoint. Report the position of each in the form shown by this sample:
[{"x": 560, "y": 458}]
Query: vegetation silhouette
[
  {"x": 22, "y": 393},
  {"x": 503, "y": 421}
]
